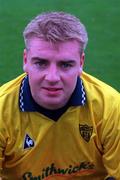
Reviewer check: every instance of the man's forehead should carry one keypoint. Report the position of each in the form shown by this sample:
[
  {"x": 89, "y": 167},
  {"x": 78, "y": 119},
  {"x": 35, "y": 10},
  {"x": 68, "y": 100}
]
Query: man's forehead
[{"x": 43, "y": 44}]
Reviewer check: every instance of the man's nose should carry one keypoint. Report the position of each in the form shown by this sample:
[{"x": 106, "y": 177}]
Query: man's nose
[{"x": 52, "y": 74}]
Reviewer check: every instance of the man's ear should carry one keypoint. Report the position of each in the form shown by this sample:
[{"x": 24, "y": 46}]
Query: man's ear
[
  {"x": 25, "y": 60},
  {"x": 82, "y": 59}
]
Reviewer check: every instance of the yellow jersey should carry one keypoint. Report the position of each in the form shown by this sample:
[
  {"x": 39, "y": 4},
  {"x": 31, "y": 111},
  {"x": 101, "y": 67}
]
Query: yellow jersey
[{"x": 84, "y": 141}]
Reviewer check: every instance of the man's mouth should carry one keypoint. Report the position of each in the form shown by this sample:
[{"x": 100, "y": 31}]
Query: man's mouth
[{"x": 52, "y": 90}]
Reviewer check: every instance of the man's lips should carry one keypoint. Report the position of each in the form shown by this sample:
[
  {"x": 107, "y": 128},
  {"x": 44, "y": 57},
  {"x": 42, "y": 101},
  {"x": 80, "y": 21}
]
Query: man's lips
[
  {"x": 52, "y": 88},
  {"x": 52, "y": 91}
]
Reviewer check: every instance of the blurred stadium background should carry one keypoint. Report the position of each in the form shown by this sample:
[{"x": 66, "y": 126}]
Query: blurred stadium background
[{"x": 101, "y": 18}]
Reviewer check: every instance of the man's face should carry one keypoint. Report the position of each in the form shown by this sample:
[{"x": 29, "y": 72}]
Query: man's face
[{"x": 52, "y": 70}]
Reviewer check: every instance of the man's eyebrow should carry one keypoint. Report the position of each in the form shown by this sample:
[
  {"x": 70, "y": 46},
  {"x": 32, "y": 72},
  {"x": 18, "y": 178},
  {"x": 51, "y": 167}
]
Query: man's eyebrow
[
  {"x": 38, "y": 58},
  {"x": 67, "y": 61}
]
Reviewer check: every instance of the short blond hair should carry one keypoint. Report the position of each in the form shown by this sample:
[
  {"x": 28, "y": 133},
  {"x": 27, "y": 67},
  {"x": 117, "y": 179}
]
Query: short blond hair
[{"x": 55, "y": 27}]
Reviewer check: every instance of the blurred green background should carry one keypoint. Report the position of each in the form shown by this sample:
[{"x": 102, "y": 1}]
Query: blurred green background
[{"x": 102, "y": 21}]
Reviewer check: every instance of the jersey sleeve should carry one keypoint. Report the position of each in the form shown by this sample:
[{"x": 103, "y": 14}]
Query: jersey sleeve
[
  {"x": 110, "y": 138},
  {"x": 2, "y": 141},
  {"x": 2, "y": 148}
]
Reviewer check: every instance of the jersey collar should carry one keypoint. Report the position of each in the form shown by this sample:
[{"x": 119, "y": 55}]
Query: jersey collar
[{"x": 27, "y": 103}]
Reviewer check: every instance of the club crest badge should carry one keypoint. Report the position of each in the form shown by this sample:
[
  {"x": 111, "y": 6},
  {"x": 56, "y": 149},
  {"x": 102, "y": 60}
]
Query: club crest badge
[{"x": 85, "y": 131}]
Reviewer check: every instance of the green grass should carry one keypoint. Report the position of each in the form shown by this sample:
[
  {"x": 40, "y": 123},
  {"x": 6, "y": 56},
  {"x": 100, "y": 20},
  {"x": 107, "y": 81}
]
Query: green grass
[{"x": 101, "y": 19}]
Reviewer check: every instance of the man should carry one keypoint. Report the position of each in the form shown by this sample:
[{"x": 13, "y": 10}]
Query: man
[{"x": 56, "y": 121}]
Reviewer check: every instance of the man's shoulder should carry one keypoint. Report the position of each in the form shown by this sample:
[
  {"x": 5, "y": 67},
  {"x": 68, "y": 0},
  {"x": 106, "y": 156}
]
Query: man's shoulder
[
  {"x": 99, "y": 94},
  {"x": 97, "y": 87},
  {"x": 101, "y": 98},
  {"x": 11, "y": 86},
  {"x": 9, "y": 92}
]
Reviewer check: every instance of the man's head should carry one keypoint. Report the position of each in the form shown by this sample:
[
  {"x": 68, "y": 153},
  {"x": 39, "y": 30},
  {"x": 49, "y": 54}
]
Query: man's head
[
  {"x": 56, "y": 27},
  {"x": 54, "y": 57}
]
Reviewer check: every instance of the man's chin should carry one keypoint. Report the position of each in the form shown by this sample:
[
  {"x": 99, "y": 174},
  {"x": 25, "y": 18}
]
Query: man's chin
[
  {"x": 52, "y": 106},
  {"x": 51, "y": 103}
]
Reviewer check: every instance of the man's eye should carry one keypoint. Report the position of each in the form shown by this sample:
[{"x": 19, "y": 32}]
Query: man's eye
[
  {"x": 66, "y": 65},
  {"x": 41, "y": 63}
]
